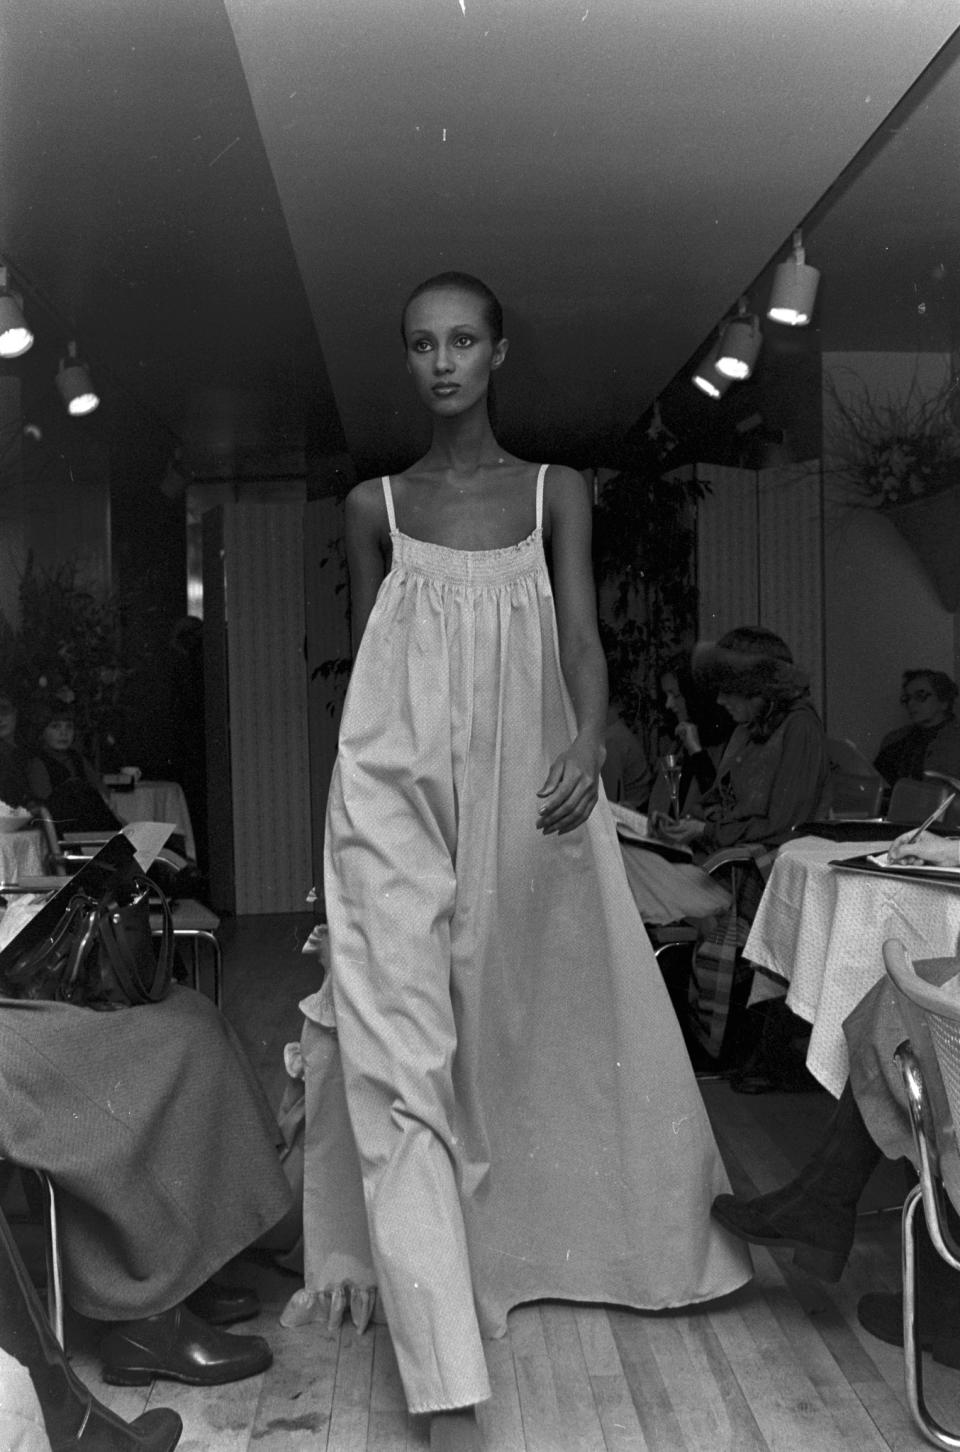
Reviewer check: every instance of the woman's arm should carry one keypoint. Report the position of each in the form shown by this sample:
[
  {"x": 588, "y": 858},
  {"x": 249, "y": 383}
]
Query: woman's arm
[
  {"x": 365, "y": 522},
  {"x": 570, "y": 791}
]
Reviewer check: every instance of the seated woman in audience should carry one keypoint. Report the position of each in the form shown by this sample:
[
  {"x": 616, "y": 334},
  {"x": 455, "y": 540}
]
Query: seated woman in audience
[
  {"x": 773, "y": 768},
  {"x": 815, "y": 1214},
  {"x": 15, "y": 787},
  {"x": 931, "y": 740},
  {"x": 698, "y": 725},
  {"x": 157, "y": 1135},
  {"x": 63, "y": 780},
  {"x": 770, "y": 777}
]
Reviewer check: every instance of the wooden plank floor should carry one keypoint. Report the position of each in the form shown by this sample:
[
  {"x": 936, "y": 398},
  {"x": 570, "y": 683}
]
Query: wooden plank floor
[{"x": 782, "y": 1366}]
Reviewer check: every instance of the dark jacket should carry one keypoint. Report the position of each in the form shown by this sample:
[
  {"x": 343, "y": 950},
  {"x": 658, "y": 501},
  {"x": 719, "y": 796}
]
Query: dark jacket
[
  {"x": 763, "y": 789},
  {"x": 912, "y": 750}
]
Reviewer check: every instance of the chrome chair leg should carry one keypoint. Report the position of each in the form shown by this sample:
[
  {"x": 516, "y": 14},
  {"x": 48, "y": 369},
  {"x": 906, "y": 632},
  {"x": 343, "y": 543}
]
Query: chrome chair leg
[
  {"x": 912, "y": 1350},
  {"x": 195, "y": 935},
  {"x": 52, "y": 1254}
]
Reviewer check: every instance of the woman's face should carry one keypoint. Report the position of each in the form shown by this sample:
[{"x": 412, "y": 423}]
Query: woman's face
[
  {"x": 673, "y": 699},
  {"x": 743, "y": 709},
  {"x": 450, "y": 350},
  {"x": 921, "y": 702},
  {"x": 58, "y": 735}
]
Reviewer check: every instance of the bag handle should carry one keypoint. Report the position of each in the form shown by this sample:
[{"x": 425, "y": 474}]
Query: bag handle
[{"x": 124, "y": 967}]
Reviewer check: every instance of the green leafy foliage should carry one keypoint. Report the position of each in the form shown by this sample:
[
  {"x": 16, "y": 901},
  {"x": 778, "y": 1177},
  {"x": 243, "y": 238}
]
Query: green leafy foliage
[
  {"x": 68, "y": 649},
  {"x": 644, "y": 555}
]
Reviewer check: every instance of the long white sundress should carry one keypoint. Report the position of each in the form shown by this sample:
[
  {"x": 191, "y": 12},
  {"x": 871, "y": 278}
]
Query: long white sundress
[{"x": 527, "y": 1121}]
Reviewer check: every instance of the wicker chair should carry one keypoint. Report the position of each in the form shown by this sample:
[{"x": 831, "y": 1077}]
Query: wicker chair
[{"x": 937, "y": 1157}]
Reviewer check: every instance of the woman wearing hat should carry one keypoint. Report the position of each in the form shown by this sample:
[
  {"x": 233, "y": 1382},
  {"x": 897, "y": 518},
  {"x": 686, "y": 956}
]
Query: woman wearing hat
[
  {"x": 772, "y": 773},
  {"x": 770, "y": 777},
  {"x": 63, "y": 779}
]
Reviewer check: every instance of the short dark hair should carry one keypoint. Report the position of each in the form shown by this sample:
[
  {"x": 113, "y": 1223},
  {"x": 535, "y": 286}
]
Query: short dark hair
[
  {"x": 943, "y": 687},
  {"x": 52, "y": 710},
  {"x": 462, "y": 282}
]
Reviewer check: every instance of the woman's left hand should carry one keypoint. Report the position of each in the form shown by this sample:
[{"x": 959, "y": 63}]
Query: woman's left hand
[
  {"x": 678, "y": 834},
  {"x": 570, "y": 791}
]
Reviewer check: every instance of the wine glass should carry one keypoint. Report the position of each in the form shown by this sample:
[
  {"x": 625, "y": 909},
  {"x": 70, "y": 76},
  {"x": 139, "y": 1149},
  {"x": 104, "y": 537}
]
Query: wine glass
[{"x": 672, "y": 767}]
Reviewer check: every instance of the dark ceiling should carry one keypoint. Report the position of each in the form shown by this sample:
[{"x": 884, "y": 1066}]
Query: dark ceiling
[{"x": 226, "y": 201}]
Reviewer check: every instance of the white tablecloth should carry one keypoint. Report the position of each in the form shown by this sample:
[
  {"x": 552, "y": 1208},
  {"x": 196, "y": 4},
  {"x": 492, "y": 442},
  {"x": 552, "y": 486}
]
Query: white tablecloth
[
  {"x": 22, "y": 854},
  {"x": 156, "y": 801},
  {"x": 822, "y": 930}
]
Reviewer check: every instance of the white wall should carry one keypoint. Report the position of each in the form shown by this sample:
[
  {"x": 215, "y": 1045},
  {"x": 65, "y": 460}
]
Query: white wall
[
  {"x": 269, "y": 752},
  {"x": 759, "y": 558},
  {"x": 882, "y": 615}
]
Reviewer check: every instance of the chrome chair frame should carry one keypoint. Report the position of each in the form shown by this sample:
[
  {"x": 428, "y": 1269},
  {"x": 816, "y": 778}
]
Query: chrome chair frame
[
  {"x": 52, "y": 1253},
  {"x": 195, "y": 936},
  {"x": 927, "y": 1196}
]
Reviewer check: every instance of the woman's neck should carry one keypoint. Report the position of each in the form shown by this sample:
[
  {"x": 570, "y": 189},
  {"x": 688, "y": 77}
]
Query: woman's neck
[{"x": 463, "y": 445}]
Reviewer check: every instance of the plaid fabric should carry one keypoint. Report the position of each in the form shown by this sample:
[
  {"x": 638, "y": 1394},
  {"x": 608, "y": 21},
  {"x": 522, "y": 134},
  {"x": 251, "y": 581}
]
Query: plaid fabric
[{"x": 719, "y": 972}]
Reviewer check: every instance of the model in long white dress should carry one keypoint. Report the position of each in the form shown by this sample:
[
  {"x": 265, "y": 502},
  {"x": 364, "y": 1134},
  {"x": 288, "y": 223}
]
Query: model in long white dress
[{"x": 526, "y": 1117}]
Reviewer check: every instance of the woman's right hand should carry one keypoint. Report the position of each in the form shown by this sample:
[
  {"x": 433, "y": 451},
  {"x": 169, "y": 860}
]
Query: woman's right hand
[
  {"x": 929, "y": 847},
  {"x": 689, "y": 737}
]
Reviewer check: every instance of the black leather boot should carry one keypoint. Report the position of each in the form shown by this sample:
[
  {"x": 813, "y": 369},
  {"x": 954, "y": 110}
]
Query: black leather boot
[
  {"x": 815, "y": 1214},
  {"x": 177, "y": 1345},
  {"x": 74, "y": 1419}
]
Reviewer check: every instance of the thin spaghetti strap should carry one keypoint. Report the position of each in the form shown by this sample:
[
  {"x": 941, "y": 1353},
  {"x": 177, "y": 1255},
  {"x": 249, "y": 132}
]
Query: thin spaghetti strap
[
  {"x": 540, "y": 478},
  {"x": 388, "y": 497}
]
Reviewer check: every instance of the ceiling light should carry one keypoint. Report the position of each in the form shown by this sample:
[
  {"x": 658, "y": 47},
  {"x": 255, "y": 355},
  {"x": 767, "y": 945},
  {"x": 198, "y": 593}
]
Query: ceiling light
[
  {"x": 75, "y": 385},
  {"x": 794, "y": 289},
  {"x": 740, "y": 344},
  {"x": 706, "y": 377},
  {"x": 15, "y": 337}
]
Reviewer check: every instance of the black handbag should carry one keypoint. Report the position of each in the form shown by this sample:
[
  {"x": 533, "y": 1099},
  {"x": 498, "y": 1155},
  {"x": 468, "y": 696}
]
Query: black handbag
[{"x": 95, "y": 947}]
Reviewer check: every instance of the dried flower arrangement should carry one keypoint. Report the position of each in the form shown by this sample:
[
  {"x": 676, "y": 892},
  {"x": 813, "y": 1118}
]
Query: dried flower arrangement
[{"x": 897, "y": 448}]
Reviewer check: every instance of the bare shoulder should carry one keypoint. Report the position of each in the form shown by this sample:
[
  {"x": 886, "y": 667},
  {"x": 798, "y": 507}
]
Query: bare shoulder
[
  {"x": 563, "y": 481},
  {"x": 566, "y": 495},
  {"x": 365, "y": 500},
  {"x": 365, "y": 509}
]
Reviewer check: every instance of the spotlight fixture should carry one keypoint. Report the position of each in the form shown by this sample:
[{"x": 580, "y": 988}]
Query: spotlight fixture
[
  {"x": 706, "y": 377},
  {"x": 794, "y": 288},
  {"x": 75, "y": 385},
  {"x": 15, "y": 337},
  {"x": 740, "y": 344}
]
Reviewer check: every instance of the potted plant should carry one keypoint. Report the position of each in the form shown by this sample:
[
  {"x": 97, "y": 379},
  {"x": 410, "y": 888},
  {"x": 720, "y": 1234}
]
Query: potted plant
[
  {"x": 644, "y": 554},
  {"x": 68, "y": 648}
]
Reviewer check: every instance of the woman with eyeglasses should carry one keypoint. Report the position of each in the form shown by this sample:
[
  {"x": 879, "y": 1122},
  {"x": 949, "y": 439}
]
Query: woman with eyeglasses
[{"x": 931, "y": 740}]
